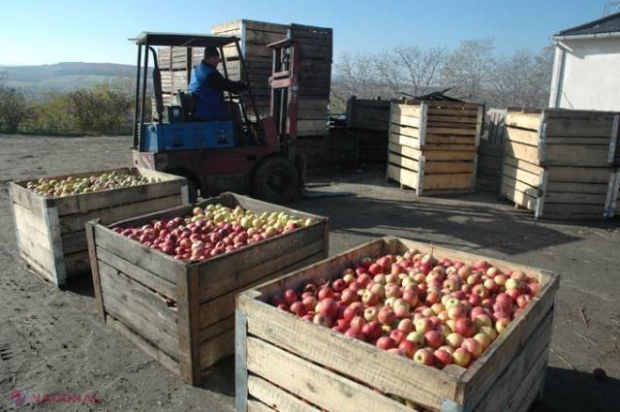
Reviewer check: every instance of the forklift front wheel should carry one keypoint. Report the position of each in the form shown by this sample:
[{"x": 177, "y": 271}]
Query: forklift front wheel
[{"x": 276, "y": 180}]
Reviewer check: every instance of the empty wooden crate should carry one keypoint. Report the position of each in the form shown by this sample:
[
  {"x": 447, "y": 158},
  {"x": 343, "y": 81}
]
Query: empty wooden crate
[
  {"x": 433, "y": 146},
  {"x": 285, "y": 363},
  {"x": 50, "y": 230},
  {"x": 559, "y": 163},
  {"x": 182, "y": 312}
]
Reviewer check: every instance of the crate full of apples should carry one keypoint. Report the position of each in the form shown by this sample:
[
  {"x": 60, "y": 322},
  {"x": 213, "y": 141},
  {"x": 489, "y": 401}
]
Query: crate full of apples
[
  {"x": 401, "y": 325},
  {"x": 168, "y": 280},
  {"x": 50, "y": 213}
]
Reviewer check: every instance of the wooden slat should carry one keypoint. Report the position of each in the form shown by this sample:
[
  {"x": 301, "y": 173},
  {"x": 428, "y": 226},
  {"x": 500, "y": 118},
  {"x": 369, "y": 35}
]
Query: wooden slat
[
  {"x": 524, "y": 120},
  {"x": 573, "y": 211},
  {"x": 256, "y": 406},
  {"x": 133, "y": 308},
  {"x": 122, "y": 196},
  {"x": 407, "y": 151},
  {"x": 329, "y": 389},
  {"x": 138, "y": 254},
  {"x": 140, "y": 275},
  {"x": 28, "y": 221},
  {"x": 26, "y": 198},
  {"x": 188, "y": 318},
  {"x": 170, "y": 364},
  {"x": 579, "y": 128},
  {"x": 529, "y": 362},
  {"x": 450, "y": 140},
  {"x": 482, "y": 374},
  {"x": 92, "y": 255},
  {"x": 217, "y": 329},
  {"x": 404, "y": 162},
  {"x": 576, "y": 155},
  {"x": 520, "y": 198},
  {"x": 280, "y": 400},
  {"x": 447, "y": 181},
  {"x": 522, "y": 175},
  {"x": 223, "y": 306},
  {"x": 402, "y": 140},
  {"x": 451, "y": 131},
  {"x": 528, "y": 137},
  {"x": 534, "y": 191},
  {"x": 448, "y": 167},
  {"x": 576, "y": 198},
  {"x": 246, "y": 266},
  {"x": 217, "y": 348},
  {"x": 36, "y": 249},
  {"x": 523, "y": 165},
  {"x": 76, "y": 222},
  {"x": 520, "y": 151},
  {"x": 73, "y": 242},
  {"x": 403, "y": 176},
  {"x": 406, "y": 121}
]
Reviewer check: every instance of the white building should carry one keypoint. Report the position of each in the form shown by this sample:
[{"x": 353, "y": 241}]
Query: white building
[{"x": 586, "y": 71}]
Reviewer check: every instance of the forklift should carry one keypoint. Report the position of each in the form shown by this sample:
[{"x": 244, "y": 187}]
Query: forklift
[{"x": 244, "y": 153}]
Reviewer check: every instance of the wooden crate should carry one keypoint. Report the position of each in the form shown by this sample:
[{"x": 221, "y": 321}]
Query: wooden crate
[
  {"x": 613, "y": 196},
  {"x": 315, "y": 72},
  {"x": 490, "y": 152},
  {"x": 370, "y": 121},
  {"x": 51, "y": 233},
  {"x": 281, "y": 359},
  {"x": 432, "y": 146},
  {"x": 560, "y": 137},
  {"x": 558, "y": 162},
  {"x": 182, "y": 313}
]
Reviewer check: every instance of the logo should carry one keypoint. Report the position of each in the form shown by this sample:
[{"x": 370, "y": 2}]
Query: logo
[{"x": 18, "y": 398}]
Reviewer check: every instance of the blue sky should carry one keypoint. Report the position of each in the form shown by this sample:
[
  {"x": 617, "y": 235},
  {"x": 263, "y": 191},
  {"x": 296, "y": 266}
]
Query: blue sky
[{"x": 51, "y": 31}]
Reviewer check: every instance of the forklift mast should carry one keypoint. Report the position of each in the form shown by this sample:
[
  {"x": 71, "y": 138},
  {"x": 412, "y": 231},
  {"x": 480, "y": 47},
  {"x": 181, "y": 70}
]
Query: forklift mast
[{"x": 284, "y": 94}]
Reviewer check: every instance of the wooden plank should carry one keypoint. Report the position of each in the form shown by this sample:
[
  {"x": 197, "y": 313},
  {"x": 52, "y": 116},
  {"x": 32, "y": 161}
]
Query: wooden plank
[
  {"x": 241, "y": 362},
  {"x": 448, "y": 167},
  {"x": 520, "y": 198},
  {"x": 521, "y": 175},
  {"x": 26, "y": 198},
  {"x": 482, "y": 374},
  {"x": 149, "y": 279},
  {"x": 137, "y": 254},
  {"x": 256, "y": 406},
  {"x": 188, "y": 318},
  {"x": 397, "y": 130},
  {"x": 28, "y": 221},
  {"x": 280, "y": 400},
  {"x": 76, "y": 222},
  {"x": 403, "y": 176},
  {"x": 578, "y": 128},
  {"x": 447, "y": 181},
  {"x": 235, "y": 270},
  {"x": 405, "y": 120},
  {"x": 73, "y": 242},
  {"x": 577, "y": 187},
  {"x": 404, "y": 141},
  {"x": 523, "y": 165},
  {"x": 404, "y": 162},
  {"x": 450, "y": 140},
  {"x": 122, "y": 196},
  {"x": 451, "y": 112},
  {"x": 168, "y": 362},
  {"x": 522, "y": 120},
  {"x": 407, "y": 151},
  {"x": 528, "y": 137},
  {"x": 36, "y": 249},
  {"x": 133, "y": 316},
  {"x": 217, "y": 329},
  {"x": 329, "y": 389},
  {"x": 217, "y": 348},
  {"x": 528, "y": 363},
  {"x": 576, "y": 198},
  {"x": 452, "y": 131},
  {"x": 520, "y": 151},
  {"x": 555, "y": 211},
  {"x": 92, "y": 254},
  {"x": 576, "y": 155},
  {"x": 533, "y": 191},
  {"x": 223, "y": 306},
  {"x": 430, "y": 147}
]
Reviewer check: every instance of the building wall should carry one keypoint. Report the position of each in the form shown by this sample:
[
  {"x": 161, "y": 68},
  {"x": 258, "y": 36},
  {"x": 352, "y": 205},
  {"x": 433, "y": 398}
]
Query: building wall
[{"x": 586, "y": 74}]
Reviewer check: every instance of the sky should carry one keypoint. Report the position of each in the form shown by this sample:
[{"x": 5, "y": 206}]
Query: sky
[{"x": 35, "y": 32}]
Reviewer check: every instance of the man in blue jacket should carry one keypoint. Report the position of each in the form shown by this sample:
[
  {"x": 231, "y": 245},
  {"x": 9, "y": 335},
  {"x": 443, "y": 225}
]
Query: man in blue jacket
[{"x": 208, "y": 85}]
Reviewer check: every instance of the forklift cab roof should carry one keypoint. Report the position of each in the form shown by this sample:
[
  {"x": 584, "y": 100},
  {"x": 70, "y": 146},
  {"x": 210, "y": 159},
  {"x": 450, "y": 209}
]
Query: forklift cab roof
[{"x": 183, "y": 40}]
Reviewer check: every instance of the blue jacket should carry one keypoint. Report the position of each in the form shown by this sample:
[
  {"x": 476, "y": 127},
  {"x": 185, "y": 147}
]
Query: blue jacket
[{"x": 210, "y": 101}]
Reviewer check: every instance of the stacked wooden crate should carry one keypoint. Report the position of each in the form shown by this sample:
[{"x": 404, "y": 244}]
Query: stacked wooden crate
[
  {"x": 173, "y": 66},
  {"x": 369, "y": 120},
  {"x": 181, "y": 312},
  {"x": 490, "y": 151},
  {"x": 315, "y": 74},
  {"x": 284, "y": 363},
  {"x": 51, "y": 233},
  {"x": 559, "y": 163},
  {"x": 433, "y": 146}
]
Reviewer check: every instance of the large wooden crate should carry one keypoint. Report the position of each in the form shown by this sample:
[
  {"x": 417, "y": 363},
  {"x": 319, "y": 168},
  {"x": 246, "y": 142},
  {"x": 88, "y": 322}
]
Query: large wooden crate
[
  {"x": 490, "y": 152},
  {"x": 182, "y": 313},
  {"x": 558, "y": 162},
  {"x": 432, "y": 146},
  {"x": 51, "y": 233},
  {"x": 370, "y": 121},
  {"x": 315, "y": 73},
  {"x": 285, "y": 363}
]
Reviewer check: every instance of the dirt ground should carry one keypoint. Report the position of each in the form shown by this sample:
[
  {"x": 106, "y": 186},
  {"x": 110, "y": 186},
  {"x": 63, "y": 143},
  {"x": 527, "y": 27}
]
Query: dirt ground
[{"x": 52, "y": 342}]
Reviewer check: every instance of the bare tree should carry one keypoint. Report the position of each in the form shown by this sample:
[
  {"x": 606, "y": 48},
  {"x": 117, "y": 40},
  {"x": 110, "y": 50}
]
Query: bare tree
[
  {"x": 467, "y": 68},
  {"x": 420, "y": 67},
  {"x": 521, "y": 79}
]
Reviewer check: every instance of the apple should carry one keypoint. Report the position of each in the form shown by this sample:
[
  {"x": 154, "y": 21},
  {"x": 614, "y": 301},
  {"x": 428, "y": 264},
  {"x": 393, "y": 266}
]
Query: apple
[
  {"x": 501, "y": 324},
  {"x": 454, "y": 340},
  {"x": 433, "y": 339},
  {"x": 424, "y": 356},
  {"x": 372, "y": 330},
  {"x": 416, "y": 337},
  {"x": 461, "y": 357},
  {"x": 408, "y": 348},
  {"x": 483, "y": 339},
  {"x": 423, "y": 325},
  {"x": 442, "y": 358},
  {"x": 472, "y": 346},
  {"x": 465, "y": 327},
  {"x": 385, "y": 343}
]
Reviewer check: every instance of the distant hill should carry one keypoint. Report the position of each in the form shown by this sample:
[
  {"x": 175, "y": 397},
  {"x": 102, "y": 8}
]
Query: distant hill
[{"x": 64, "y": 77}]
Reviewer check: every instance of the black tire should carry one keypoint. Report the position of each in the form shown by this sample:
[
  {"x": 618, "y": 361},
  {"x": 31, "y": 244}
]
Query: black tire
[{"x": 275, "y": 180}]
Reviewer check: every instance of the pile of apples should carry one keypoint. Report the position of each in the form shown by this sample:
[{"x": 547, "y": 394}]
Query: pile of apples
[
  {"x": 88, "y": 184},
  {"x": 434, "y": 311},
  {"x": 212, "y": 231}
]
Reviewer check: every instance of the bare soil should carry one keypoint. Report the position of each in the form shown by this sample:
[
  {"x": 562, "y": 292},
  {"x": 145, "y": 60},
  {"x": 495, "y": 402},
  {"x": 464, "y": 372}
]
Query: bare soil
[{"x": 52, "y": 342}]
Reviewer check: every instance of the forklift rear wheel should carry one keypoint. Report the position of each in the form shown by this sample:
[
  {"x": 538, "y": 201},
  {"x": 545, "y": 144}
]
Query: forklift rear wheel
[{"x": 276, "y": 180}]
